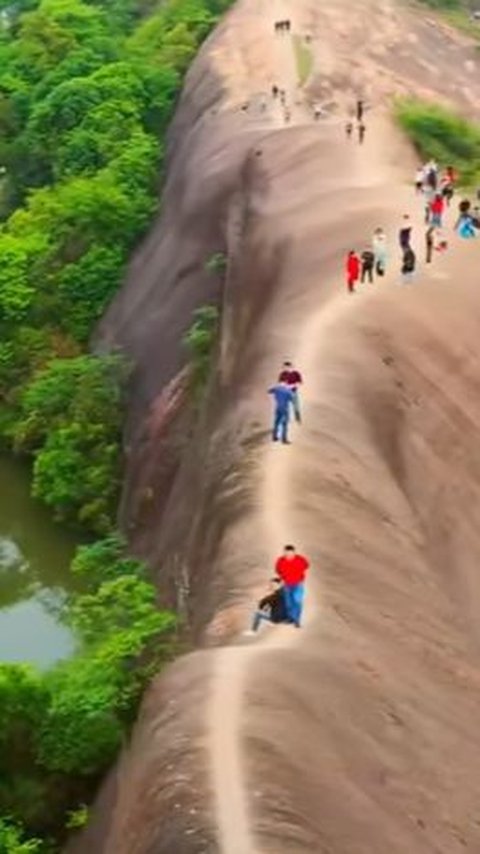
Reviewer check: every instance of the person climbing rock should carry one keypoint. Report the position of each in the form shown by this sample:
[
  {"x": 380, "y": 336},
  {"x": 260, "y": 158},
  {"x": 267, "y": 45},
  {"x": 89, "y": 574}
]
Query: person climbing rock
[
  {"x": 368, "y": 263},
  {"x": 292, "y": 569},
  {"x": 283, "y": 400},
  {"x": 352, "y": 268},
  {"x": 293, "y": 379},
  {"x": 408, "y": 265},
  {"x": 379, "y": 244},
  {"x": 271, "y": 607}
]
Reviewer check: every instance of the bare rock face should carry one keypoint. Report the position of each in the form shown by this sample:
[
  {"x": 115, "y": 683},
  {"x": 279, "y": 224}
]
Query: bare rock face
[{"x": 357, "y": 734}]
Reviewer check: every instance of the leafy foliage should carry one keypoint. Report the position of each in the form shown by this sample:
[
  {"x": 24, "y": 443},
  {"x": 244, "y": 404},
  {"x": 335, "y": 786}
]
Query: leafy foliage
[
  {"x": 86, "y": 93},
  {"x": 71, "y": 417},
  {"x": 200, "y": 343},
  {"x": 13, "y": 840},
  {"x": 60, "y": 730},
  {"x": 439, "y": 133}
]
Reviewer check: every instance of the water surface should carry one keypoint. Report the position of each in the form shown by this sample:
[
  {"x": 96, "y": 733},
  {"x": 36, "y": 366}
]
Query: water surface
[{"x": 34, "y": 559}]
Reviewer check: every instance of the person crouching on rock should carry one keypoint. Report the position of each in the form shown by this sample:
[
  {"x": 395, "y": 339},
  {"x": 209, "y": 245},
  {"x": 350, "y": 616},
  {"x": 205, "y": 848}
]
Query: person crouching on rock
[
  {"x": 270, "y": 609},
  {"x": 292, "y": 569},
  {"x": 352, "y": 268}
]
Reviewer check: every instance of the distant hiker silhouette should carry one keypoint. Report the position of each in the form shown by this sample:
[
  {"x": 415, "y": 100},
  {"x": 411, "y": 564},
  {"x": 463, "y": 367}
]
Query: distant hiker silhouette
[
  {"x": 359, "y": 110},
  {"x": 361, "y": 133},
  {"x": 405, "y": 233},
  {"x": 352, "y": 269},
  {"x": 437, "y": 206},
  {"x": 379, "y": 245},
  {"x": 368, "y": 262},
  {"x": 408, "y": 265},
  {"x": 349, "y": 129},
  {"x": 429, "y": 236}
]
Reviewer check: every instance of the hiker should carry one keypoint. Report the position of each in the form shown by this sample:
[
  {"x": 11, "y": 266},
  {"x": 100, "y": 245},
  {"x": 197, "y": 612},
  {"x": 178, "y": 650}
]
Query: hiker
[
  {"x": 271, "y": 607},
  {"x": 283, "y": 97},
  {"x": 429, "y": 196},
  {"x": 464, "y": 224},
  {"x": 419, "y": 179},
  {"x": 317, "y": 112},
  {"x": 283, "y": 399},
  {"x": 431, "y": 174},
  {"x": 349, "y": 129},
  {"x": 353, "y": 270},
  {"x": 292, "y": 569},
  {"x": 405, "y": 233},
  {"x": 368, "y": 262},
  {"x": 379, "y": 244},
  {"x": 447, "y": 184},
  {"x": 429, "y": 238},
  {"x": 361, "y": 133},
  {"x": 275, "y": 91},
  {"x": 359, "y": 110},
  {"x": 293, "y": 379},
  {"x": 437, "y": 206},
  {"x": 408, "y": 265}
]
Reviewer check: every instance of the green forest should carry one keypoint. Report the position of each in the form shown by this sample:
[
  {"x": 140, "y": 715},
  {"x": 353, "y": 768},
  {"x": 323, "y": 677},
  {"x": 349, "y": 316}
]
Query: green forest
[{"x": 87, "y": 90}]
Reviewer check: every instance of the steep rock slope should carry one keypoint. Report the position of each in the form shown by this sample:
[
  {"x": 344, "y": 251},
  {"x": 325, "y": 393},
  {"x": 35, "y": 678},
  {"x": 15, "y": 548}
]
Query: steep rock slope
[{"x": 337, "y": 738}]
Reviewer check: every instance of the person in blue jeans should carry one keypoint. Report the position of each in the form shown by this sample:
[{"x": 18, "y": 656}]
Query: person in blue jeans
[
  {"x": 283, "y": 399},
  {"x": 292, "y": 568}
]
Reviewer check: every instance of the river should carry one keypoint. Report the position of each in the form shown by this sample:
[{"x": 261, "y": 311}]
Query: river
[{"x": 34, "y": 559}]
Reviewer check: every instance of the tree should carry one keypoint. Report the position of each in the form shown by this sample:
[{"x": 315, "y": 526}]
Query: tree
[
  {"x": 105, "y": 560},
  {"x": 13, "y": 841}
]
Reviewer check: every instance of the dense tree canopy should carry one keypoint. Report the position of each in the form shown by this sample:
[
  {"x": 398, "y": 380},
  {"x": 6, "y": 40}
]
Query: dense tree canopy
[{"x": 86, "y": 93}]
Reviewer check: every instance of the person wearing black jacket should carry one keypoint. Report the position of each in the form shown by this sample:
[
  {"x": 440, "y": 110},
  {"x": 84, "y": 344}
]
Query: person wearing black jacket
[
  {"x": 408, "y": 264},
  {"x": 368, "y": 263},
  {"x": 271, "y": 608}
]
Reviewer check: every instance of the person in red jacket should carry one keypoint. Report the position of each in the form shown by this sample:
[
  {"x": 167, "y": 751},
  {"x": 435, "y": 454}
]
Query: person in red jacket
[
  {"x": 352, "y": 268},
  {"x": 292, "y": 569},
  {"x": 437, "y": 206}
]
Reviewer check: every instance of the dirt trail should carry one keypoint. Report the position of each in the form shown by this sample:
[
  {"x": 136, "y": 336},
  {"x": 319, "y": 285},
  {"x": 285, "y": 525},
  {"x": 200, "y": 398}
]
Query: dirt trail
[{"x": 225, "y": 714}]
